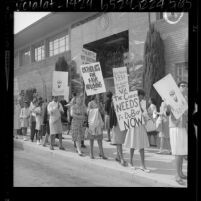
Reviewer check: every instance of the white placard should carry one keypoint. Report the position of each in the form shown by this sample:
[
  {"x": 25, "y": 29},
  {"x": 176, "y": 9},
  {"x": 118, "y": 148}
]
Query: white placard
[
  {"x": 171, "y": 94},
  {"x": 127, "y": 108},
  {"x": 60, "y": 81},
  {"x": 88, "y": 56},
  {"x": 93, "y": 78},
  {"x": 120, "y": 80}
]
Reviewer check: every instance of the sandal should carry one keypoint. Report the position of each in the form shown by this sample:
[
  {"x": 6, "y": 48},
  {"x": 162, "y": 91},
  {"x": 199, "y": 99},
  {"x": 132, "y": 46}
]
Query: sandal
[
  {"x": 104, "y": 157},
  {"x": 51, "y": 148},
  {"x": 145, "y": 170},
  {"x": 92, "y": 157},
  {"x": 183, "y": 176},
  {"x": 117, "y": 159},
  {"x": 123, "y": 163},
  {"x": 180, "y": 181},
  {"x": 61, "y": 148}
]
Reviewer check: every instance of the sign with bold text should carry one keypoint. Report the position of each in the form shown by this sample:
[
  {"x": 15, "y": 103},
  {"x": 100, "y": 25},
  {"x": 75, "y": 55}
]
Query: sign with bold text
[
  {"x": 128, "y": 111},
  {"x": 93, "y": 78},
  {"x": 120, "y": 80}
]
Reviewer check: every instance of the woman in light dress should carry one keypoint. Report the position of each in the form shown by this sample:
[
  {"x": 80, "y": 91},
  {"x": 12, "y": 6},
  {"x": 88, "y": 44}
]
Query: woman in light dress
[
  {"x": 96, "y": 125},
  {"x": 179, "y": 136},
  {"x": 136, "y": 138},
  {"x": 118, "y": 136},
  {"x": 78, "y": 116},
  {"x": 54, "y": 109}
]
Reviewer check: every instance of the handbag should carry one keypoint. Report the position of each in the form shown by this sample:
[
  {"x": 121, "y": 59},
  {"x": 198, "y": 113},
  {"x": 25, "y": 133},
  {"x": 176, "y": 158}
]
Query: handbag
[
  {"x": 150, "y": 125},
  {"x": 87, "y": 133}
]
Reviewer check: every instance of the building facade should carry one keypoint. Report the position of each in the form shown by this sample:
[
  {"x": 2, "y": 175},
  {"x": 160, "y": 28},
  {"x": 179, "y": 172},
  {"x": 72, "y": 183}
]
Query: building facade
[{"x": 117, "y": 38}]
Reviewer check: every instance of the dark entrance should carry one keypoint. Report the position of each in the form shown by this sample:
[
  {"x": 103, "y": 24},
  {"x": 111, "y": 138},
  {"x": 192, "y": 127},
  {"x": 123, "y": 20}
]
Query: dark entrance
[{"x": 110, "y": 53}]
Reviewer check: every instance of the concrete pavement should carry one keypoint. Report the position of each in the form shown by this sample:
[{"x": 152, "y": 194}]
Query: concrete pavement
[{"x": 161, "y": 166}]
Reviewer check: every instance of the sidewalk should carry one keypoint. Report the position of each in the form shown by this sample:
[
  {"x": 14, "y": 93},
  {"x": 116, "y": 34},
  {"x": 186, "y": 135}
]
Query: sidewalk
[{"x": 161, "y": 166}]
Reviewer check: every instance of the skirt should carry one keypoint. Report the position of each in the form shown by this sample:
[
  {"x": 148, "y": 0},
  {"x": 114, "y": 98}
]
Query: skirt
[
  {"x": 107, "y": 122},
  {"x": 118, "y": 136},
  {"x": 77, "y": 130},
  {"x": 94, "y": 136},
  {"x": 137, "y": 138},
  {"x": 55, "y": 127},
  {"x": 165, "y": 130},
  {"x": 179, "y": 141}
]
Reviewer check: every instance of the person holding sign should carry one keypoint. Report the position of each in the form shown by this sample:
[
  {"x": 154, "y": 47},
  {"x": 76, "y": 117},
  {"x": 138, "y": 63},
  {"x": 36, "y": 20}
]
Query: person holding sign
[
  {"x": 178, "y": 135},
  {"x": 55, "y": 109},
  {"x": 118, "y": 136},
  {"x": 95, "y": 125},
  {"x": 136, "y": 137},
  {"x": 78, "y": 116}
]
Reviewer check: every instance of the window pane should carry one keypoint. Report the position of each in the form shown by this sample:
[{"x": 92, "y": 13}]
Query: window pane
[
  {"x": 56, "y": 51},
  {"x": 62, "y": 49}
]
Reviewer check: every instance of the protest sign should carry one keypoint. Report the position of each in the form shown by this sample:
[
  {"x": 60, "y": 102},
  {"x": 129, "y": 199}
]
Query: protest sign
[
  {"x": 60, "y": 81},
  {"x": 171, "y": 94},
  {"x": 127, "y": 108},
  {"x": 88, "y": 56},
  {"x": 93, "y": 78},
  {"x": 120, "y": 80}
]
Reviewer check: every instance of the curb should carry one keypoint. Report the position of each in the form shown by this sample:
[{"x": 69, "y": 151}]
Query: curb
[{"x": 141, "y": 177}]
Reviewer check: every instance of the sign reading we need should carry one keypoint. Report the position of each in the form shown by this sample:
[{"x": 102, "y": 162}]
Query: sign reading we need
[
  {"x": 170, "y": 93},
  {"x": 127, "y": 108},
  {"x": 88, "y": 56},
  {"x": 120, "y": 80},
  {"x": 59, "y": 83},
  {"x": 93, "y": 78}
]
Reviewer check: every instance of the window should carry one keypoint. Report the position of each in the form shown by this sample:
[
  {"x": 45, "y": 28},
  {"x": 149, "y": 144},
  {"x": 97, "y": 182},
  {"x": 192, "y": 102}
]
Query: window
[
  {"x": 39, "y": 53},
  {"x": 26, "y": 56},
  {"x": 59, "y": 45},
  {"x": 181, "y": 71}
]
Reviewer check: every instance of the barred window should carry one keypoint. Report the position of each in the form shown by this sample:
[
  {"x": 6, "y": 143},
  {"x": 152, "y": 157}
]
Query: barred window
[
  {"x": 59, "y": 45},
  {"x": 39, "y": 53}
]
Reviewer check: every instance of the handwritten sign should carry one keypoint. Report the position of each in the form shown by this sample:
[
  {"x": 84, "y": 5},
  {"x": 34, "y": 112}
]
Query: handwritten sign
[
  {"x": 88, "y": 56},
  {"x": 127, "y": 108},
  {"x": 60, "y": 82},
  {"x": 93, "y": 78},
  {"x": 120, "y": 80},
  {"x": 170, "y": 93}
]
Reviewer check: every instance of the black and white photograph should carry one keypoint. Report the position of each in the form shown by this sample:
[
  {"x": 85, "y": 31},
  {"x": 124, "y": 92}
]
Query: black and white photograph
[{"x": 86, "y": 109}]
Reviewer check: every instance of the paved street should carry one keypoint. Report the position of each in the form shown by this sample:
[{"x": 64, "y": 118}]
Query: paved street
[
  {"x": 32, "y": 170},
  {"x": 39, "y": 166}
]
